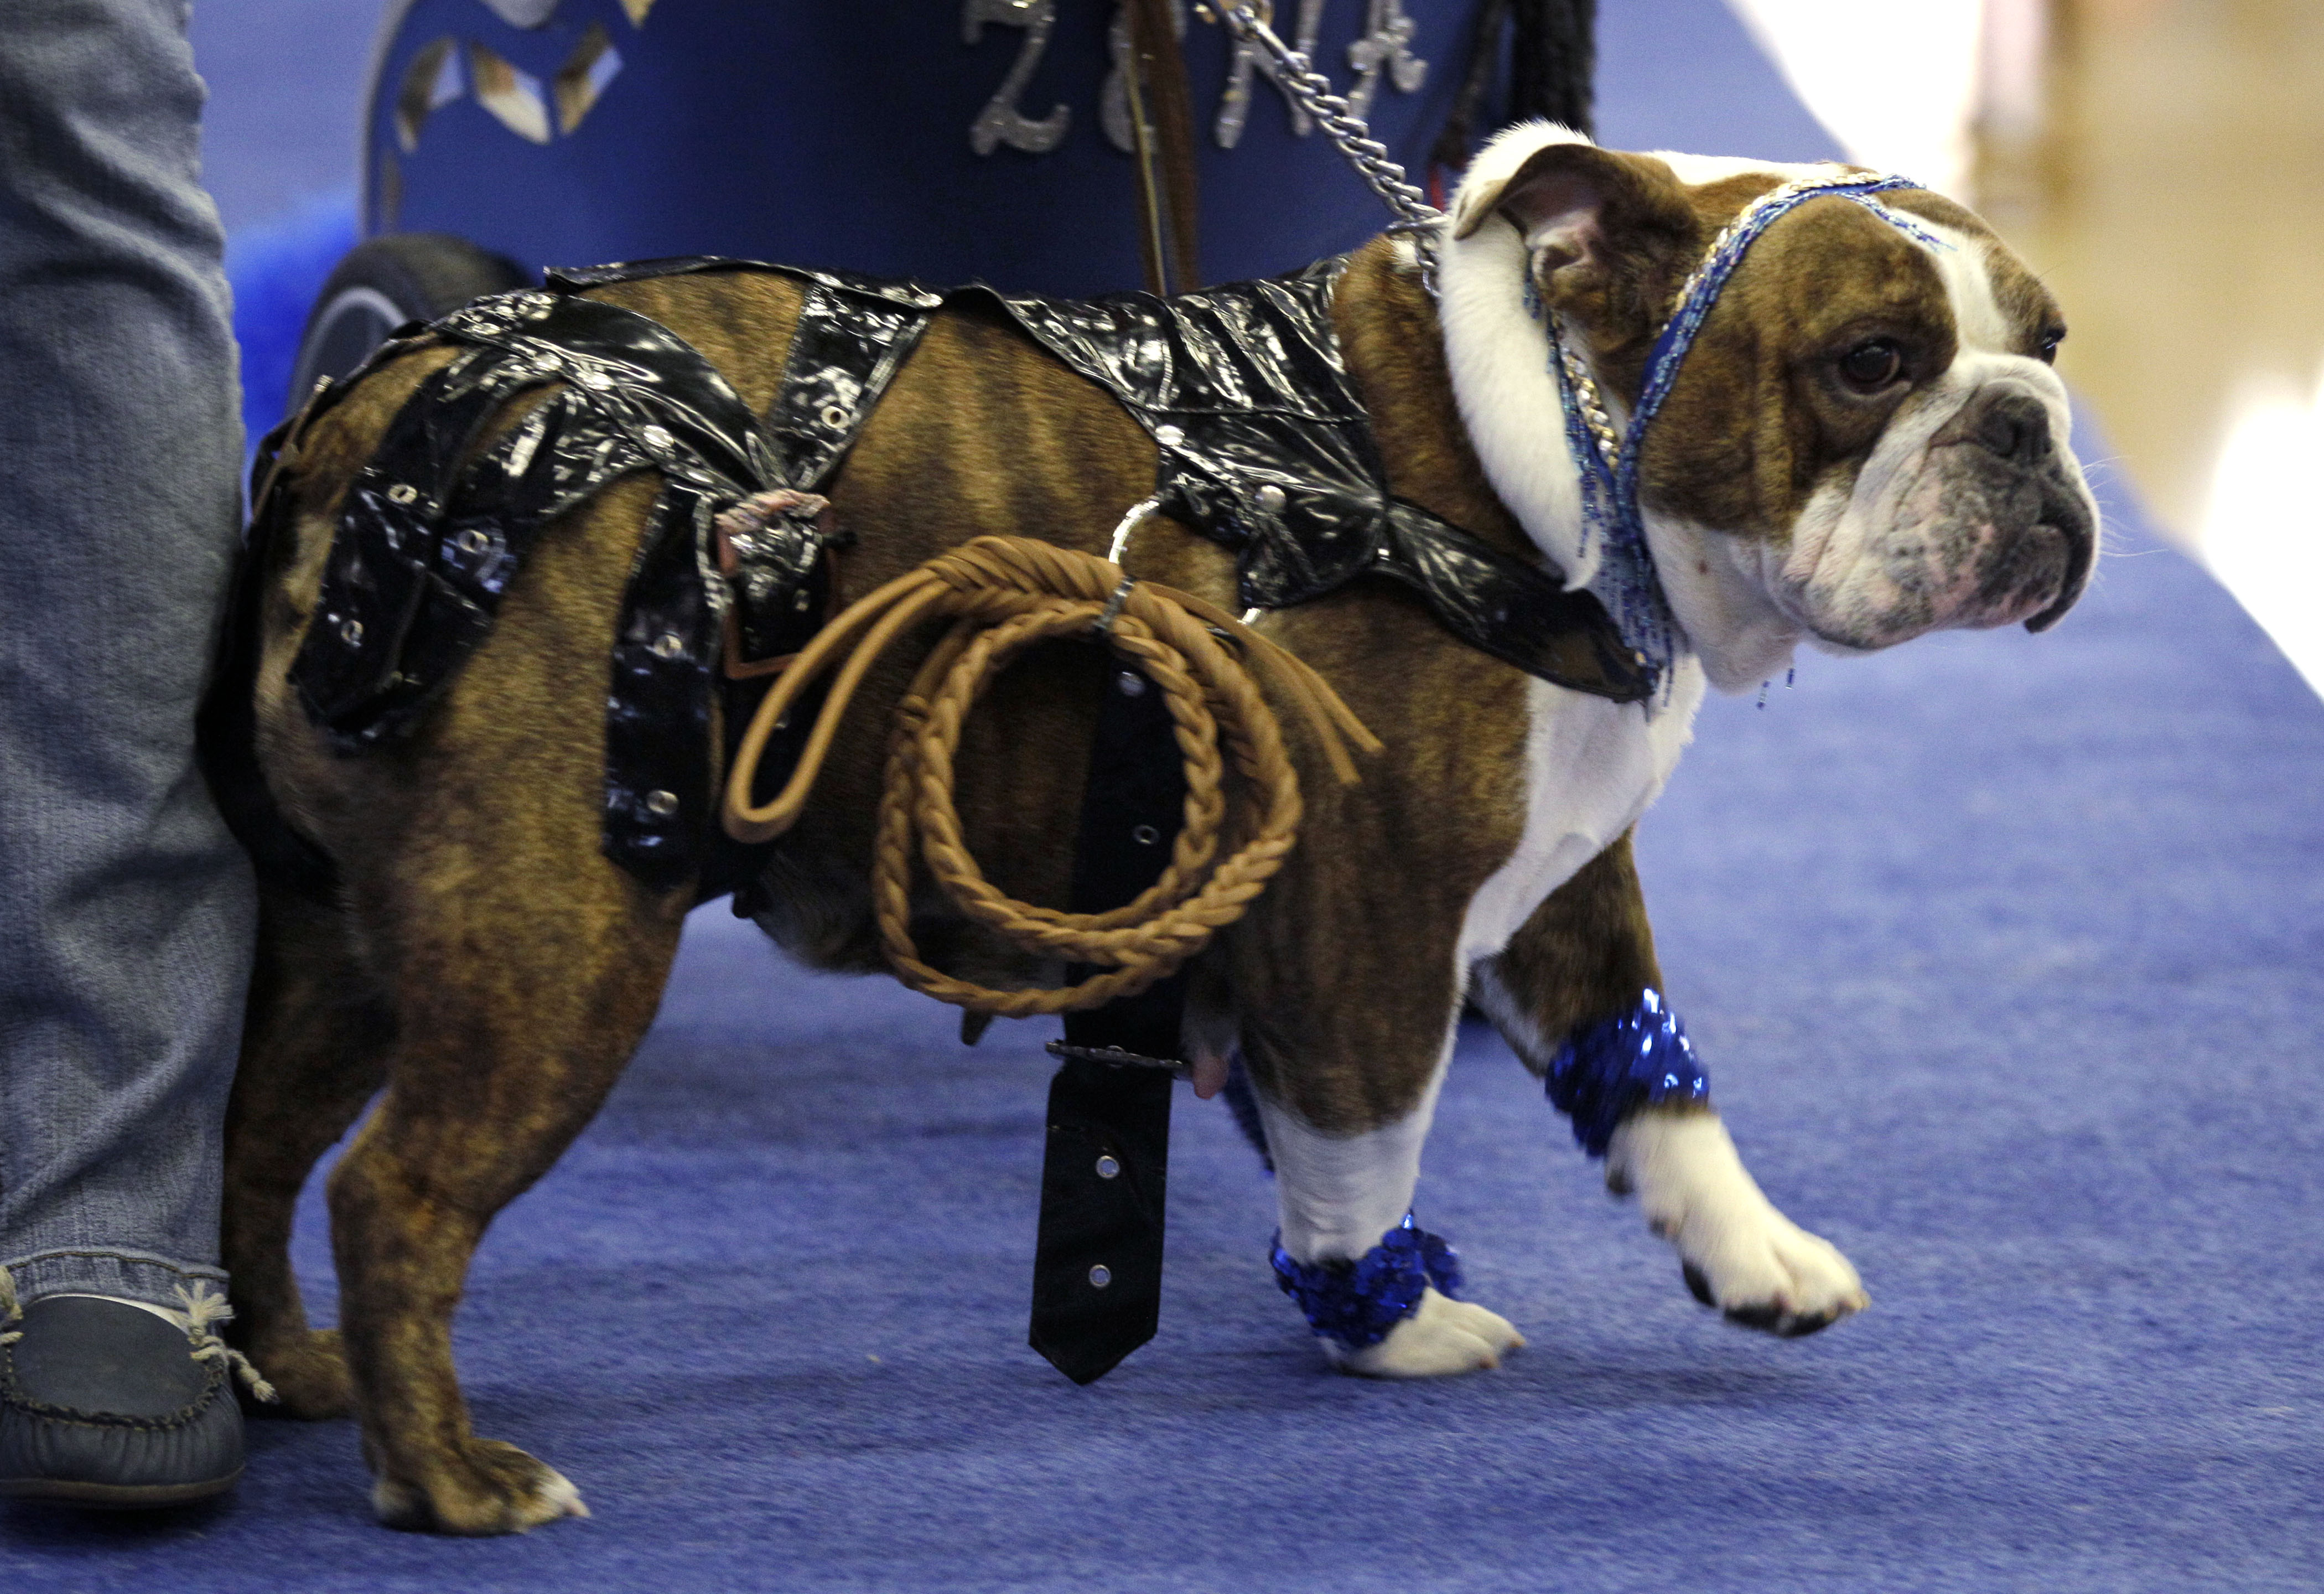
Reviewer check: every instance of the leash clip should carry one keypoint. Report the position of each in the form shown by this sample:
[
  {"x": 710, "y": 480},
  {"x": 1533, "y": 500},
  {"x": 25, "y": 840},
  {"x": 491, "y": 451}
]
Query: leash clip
[{"x": 1103, "y": 626}]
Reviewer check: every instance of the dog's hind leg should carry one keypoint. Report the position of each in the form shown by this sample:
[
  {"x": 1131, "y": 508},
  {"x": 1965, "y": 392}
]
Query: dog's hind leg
[
  {"x": 315, "y": 1046},
  {"x": 529, "y": 966},
  {"x": 1586, "y": 955}
]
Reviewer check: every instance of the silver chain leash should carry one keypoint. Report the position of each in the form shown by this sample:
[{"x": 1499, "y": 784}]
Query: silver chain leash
[{"x": 1416, "y": 217}]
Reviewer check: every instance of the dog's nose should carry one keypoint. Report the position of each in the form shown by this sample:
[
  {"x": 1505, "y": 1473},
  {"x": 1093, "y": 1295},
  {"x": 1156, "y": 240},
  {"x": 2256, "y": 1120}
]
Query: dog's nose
[{"x": 2007, "y": 422}]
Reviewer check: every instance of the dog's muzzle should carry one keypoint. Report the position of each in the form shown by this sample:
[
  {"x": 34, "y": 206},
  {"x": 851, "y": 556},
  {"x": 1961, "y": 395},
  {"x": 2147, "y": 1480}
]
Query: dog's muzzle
[{"x": 2045, "y": 529}]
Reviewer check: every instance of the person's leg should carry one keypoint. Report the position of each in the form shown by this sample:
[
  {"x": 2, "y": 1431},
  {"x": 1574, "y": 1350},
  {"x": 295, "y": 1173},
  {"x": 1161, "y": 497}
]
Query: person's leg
[{"x": 125, "y": 909}]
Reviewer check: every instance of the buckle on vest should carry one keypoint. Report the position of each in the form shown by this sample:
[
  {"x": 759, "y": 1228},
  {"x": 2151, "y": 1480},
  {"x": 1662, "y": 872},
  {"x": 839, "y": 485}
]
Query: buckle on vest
[{"x": 769, "y": 546}]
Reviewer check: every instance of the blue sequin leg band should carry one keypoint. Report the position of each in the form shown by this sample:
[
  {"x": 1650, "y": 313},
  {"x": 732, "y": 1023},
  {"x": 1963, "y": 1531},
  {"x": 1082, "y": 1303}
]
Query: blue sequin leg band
[
  {"x": 1604, "y": 1073},
  {"x": 1357, "y": 1302}
]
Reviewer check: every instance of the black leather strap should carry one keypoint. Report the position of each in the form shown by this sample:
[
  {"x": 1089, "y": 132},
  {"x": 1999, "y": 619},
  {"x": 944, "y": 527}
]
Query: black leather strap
[
  {"x": 434, "y": 529},
  {"x": 1097, "y": 1268},
  {"x": 1267, "y": 448}
]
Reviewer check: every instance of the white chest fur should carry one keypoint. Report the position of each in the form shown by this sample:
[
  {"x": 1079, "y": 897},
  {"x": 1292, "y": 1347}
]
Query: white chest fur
[{"x": 1592, "y": 768}]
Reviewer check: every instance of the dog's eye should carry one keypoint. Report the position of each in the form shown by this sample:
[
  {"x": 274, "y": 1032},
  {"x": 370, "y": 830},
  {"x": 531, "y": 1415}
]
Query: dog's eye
[
  {"x": 2046, "y": 350},
  {"x": 1870, "y": 367}
]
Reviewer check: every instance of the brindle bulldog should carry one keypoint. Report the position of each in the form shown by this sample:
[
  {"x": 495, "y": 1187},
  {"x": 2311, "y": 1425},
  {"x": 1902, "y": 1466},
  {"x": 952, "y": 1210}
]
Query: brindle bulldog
[{"x": 1866, "y": 444}]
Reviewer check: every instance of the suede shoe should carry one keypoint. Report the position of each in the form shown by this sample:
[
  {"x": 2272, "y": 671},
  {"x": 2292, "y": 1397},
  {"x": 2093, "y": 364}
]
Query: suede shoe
[{"x": 103, "y": 1404}]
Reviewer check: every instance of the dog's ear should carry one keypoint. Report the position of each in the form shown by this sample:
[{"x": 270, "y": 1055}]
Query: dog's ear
[{"x": 1586, "y": 213}]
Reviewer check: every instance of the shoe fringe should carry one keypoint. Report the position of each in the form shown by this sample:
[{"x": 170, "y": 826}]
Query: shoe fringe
[{"x": 204, "y": 1309}]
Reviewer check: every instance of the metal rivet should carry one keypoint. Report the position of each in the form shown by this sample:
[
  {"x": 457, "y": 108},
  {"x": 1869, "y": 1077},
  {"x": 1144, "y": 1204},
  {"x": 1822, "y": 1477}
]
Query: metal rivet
[
  {"x": 1101, "y": 1275},
  {"x": 351, "y": 632},
  {"x": 1270, "y": 499},
  {"x": 473, "y": 541},
  {"x": 1132, "y": 683},
  {"x": 802, "y": 601},
  {"x": 661, "y": 804},
  {"x": 1107, "y": 1168},
  {"x": 655, "y": 437},
  {"x": 1384, "y": 555},
  {"x": 834, "y": 417},
  {"x": 1169, "y": 437},
  {"x": 402, "y": 492},
  {"x": 1145, "y": 834},
  {"x": 1640, "y": 657},
  {"x": 668, "y": 645}
]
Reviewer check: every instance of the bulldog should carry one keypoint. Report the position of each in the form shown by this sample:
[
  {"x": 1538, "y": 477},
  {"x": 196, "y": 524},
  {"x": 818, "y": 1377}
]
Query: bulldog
[{"x": 1865, "y": 442}]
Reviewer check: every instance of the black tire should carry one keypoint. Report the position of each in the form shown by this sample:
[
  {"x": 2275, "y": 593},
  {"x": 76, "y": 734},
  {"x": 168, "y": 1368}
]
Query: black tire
[{"x": 382, "y": 284}]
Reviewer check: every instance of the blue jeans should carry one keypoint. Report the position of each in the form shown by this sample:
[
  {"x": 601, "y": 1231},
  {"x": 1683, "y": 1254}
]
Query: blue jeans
[{"x": 125, "y": 909}]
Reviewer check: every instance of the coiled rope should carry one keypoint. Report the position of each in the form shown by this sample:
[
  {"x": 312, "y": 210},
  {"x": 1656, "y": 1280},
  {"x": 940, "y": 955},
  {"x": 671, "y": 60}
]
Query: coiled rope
[{"x": 1002, "y": 595}]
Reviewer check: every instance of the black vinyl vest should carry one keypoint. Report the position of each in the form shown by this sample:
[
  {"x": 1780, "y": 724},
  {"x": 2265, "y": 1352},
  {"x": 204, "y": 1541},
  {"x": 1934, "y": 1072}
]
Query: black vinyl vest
[{"x": 1264, "y": 448}]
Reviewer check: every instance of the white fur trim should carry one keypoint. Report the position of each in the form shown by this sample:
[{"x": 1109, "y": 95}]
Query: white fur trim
[{"x": 1499, "y": 357}]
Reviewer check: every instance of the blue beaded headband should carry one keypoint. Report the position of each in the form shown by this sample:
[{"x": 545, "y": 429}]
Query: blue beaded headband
[{"x": 1626, "y": 581}]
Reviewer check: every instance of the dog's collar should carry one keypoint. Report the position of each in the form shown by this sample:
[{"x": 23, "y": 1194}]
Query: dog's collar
[{"x": 1626, "y": 580}]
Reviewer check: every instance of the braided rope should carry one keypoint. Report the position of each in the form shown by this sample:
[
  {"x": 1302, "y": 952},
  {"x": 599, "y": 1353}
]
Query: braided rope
[{"x": 1002, "y": 595}]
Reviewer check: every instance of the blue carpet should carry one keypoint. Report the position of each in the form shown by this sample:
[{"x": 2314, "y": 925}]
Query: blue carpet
[{"x": 2003, "y": 951}]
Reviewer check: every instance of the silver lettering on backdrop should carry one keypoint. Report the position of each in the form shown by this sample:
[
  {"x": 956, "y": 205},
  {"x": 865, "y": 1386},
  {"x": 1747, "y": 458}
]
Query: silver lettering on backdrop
[
  {"x": 1384, "y": 49},
  {"x": 1113, "y": 100},
  {"x": 1387, "y": 43},
  {"x": 1234, "y": 107},
  {"x": 1001, "y": 122}
]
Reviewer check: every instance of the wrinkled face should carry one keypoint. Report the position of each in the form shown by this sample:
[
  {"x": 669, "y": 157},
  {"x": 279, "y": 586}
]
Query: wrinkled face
[
  {"x": 1866, "y": 441},
  {"x": 1877, "y": 426}
]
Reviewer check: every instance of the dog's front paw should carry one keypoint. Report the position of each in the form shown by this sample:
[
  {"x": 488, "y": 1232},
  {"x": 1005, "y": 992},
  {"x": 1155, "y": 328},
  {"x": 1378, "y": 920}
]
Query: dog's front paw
[
  {"x": 1441, "y": 1337},
  {"x": 1765, "y": 1272},
  {"x": 482, "y": 1488},
  {"x": 1737, "y": 1252}
]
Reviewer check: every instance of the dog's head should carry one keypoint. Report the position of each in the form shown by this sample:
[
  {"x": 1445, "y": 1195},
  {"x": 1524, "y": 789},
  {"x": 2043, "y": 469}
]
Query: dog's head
[{"x": 1866, "y": 441}]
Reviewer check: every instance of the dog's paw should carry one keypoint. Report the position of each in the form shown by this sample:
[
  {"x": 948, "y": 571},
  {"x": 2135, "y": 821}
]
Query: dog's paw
[
  {"x": 309, "y": 1374},
  {"x": 1736, "y": 1251},
  {"x": 483, "y": 1489},
  {"x": 1769, "y": 1274},
  {"x": 1443, "y": 1337}
]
